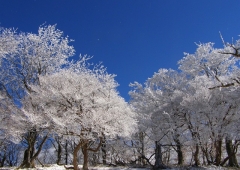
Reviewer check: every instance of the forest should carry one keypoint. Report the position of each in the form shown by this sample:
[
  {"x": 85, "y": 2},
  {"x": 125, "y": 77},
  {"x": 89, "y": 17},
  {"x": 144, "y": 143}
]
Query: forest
[{"x": 56, "y": 110}]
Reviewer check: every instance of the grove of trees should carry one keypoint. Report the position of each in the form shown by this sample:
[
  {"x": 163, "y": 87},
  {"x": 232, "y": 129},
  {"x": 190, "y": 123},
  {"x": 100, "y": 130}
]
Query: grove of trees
[{"x": 52, "y": 107}]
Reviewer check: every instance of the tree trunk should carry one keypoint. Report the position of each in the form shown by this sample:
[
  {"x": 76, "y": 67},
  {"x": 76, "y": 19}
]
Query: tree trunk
[
  {"x": 30, "y": 138},
  {"x": 158, "y": 157},
  {"x": 66, "y": 152},
  {"x": 168, "y": 157},
  {"x": 104, "y": 151},
  {"x": 75, "y": 155},
  {"x": 141, "y": 137},
  {"x": 59, "y": 153},
  {"x": 232, "y": 161},
  {"x": 195, "y": 156},
  {"x": 3, "y": 159},
  {"x": 218, "y": 147},
  {"x": 85, "y": 150},
  {"x": 206, "y": 156},
  {"x": 85, "y": 156},
  {"x": 180, "y": 155},
  {"x": 27, "y": 161},
  {"x": 29, "y": 154},
  {"x": 179, "y": 152}
]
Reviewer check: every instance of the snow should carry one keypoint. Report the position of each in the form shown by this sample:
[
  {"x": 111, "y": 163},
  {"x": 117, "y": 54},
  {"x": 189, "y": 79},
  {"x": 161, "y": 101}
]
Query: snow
[{"x": 57, "y": 167}]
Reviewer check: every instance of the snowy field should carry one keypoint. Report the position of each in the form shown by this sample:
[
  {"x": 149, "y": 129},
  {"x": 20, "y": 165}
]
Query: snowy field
[{"x": 56, "y": 167}]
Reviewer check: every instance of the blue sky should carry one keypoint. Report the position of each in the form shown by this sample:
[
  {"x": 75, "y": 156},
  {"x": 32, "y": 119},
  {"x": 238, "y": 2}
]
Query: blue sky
[{"x": 133, "y": 38}]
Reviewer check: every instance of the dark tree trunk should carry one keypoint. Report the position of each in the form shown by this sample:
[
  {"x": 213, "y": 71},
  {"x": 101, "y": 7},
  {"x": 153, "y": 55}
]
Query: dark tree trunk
[
  {"x": 59, "y": 153},
  {"x": 206, "y": 155},
  {"x": 180, "y": 155},
  {"x": 141, "y": 137},
  {"x": 232, "y": 161},
  {"x": 196, "y": 156},
  {"x": 30, "y": 138},
  {"x": 158, "y": 157},
  {"x": 66, "y": 152},
  {"x": 29, "y": 154},
  {"x": 75, "y": 155},
  {"x": 85, "y": 150},
  {"x": 218, "y": 147},
  {"x": 179, "y": 152},
  {"x": 3, "y": 160},
  {"x": 104, "y": 151},
  {"x": 85, "y": 156},
  {"x": 84, "y": 145}
]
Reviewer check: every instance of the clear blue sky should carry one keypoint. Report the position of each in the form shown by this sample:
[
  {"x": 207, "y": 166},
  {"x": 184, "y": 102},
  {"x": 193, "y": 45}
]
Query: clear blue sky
[{"x": 133, "y": 38}]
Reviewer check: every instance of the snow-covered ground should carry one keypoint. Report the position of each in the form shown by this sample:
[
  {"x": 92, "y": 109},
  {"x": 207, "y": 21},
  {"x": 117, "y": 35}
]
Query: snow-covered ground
[{"x": 56, "y": 167}]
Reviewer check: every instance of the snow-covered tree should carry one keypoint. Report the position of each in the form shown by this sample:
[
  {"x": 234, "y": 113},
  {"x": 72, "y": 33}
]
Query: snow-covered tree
[
  {"x": 8, "y": 42},
  {"x": 31, "y": 55},
  {"x": 215, "y": 80},
  {"x": 191, "y": 103},
  {"x": 216, "y": 63},
  {"x": 158, "y": 103},
  {"x": 24, "y": 57},
  {"x": 83, "y": 103}
]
